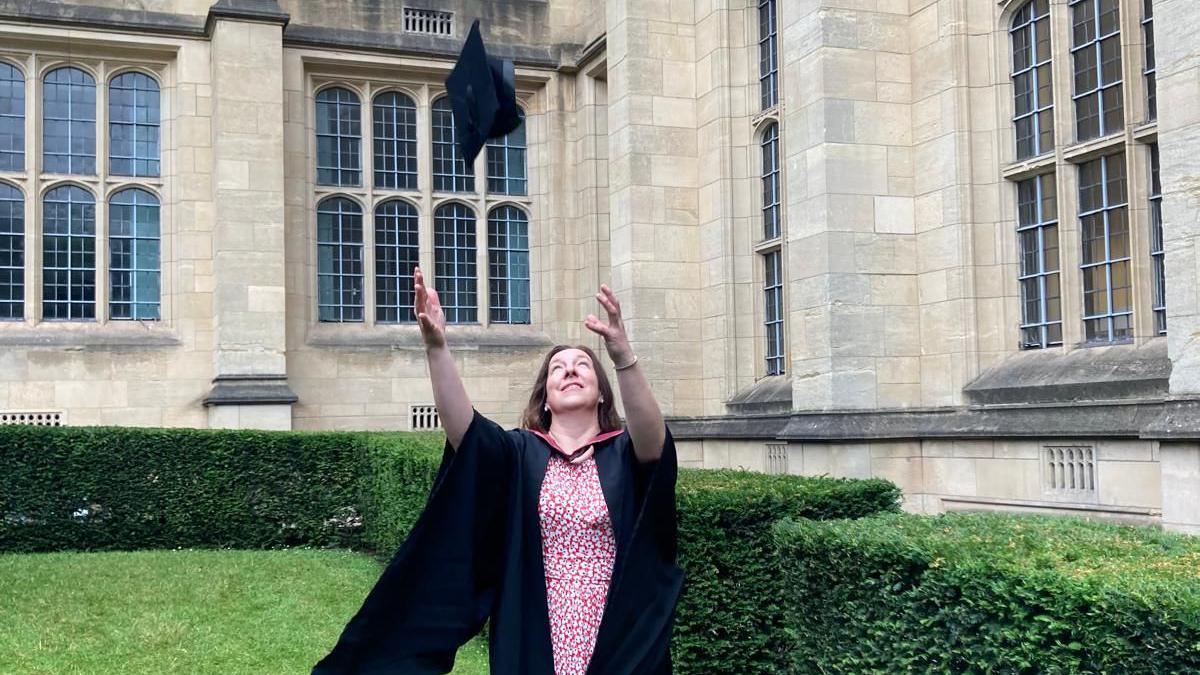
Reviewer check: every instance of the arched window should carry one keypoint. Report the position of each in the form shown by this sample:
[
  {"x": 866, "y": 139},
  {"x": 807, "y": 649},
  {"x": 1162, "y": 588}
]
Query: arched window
[
  {"x": 133, "y": 120},
  {"x": 768, "y": 54},
  {"x": 134, "y": 248},
  {"x": 770, "y": 181},
  {"x": 1032, "y": 85},
  {"x": 12, "y": 118},
  {"x": 69, "y": 254},
  {"x": 339, "y": 260},
  {"x": 1096, "y": 48},
  {"x": 395, "y": 129},
  {"x": 12, "y": 253},
  {"x": 69, "y": 122},
  {"x": 339, "y": 137},
  {"x": 508, "y": 265},
  {"x": 450, "y": 171},
  {"x": 454, "y": 261},
  {"x": 506, "y": 164},
  {"x": 396, "y": 254}
]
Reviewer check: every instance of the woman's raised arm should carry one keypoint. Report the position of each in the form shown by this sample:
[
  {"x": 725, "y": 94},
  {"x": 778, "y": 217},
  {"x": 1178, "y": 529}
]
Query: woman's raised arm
[
  {"x": 453, "y": 404},
  {"x": 642, "y": 414}
]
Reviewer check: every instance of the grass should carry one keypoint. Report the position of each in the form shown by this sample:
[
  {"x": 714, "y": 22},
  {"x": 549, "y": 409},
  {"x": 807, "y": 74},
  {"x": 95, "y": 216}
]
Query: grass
[{"x": 260, "y": 612}]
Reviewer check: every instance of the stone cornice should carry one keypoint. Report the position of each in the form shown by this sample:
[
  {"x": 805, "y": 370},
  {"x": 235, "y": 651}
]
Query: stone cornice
[{"x": 1145, "y": 419}]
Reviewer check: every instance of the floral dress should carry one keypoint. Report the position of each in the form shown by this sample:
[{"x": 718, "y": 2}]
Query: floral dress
[{"x": 578, "y": 548}]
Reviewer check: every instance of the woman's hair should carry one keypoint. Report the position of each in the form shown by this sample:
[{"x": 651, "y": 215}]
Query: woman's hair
[{"x": 537, "y": 418}]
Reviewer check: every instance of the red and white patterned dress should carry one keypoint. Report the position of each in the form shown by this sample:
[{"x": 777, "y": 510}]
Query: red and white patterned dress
[{"x": 579, "y": 548}]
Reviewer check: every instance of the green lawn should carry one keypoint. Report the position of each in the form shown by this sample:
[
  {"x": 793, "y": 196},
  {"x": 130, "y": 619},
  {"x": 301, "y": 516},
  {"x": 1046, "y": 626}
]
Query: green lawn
[{"x": 154, "y": 612}]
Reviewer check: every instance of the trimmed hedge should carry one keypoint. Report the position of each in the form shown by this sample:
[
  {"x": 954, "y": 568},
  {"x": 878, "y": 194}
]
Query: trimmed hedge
[
  {"x": 81, "y": 488},
  {"x": 98, "y": 488},
  {"x": 989, "y": 593},
  {"x": 731, "y": 618}
]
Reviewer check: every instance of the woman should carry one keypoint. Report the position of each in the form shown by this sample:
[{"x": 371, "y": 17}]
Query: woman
[{"x": 562, "y": 533}]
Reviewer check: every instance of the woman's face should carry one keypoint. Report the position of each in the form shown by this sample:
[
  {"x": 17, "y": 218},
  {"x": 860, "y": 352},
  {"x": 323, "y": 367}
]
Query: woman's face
[{"x": 571, "y": 382}]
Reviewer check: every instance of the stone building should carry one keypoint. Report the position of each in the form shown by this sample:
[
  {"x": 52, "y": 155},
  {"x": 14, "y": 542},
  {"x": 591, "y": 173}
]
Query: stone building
[{"x": 951, "y": 243}]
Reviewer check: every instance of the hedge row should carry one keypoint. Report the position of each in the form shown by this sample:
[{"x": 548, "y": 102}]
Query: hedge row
[
  {"x": 989, "y": 593},
  {"x": 120, "y": 488},
  {"x": 93, "y": 488}
]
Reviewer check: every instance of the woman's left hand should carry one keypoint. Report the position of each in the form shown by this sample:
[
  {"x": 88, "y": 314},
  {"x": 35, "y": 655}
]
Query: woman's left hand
[{"x": 613, "y": 333}]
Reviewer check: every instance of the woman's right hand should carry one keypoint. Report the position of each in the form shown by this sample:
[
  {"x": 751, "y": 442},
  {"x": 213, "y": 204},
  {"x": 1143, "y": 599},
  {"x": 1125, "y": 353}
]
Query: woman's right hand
[{"x": 429, "y": 313}]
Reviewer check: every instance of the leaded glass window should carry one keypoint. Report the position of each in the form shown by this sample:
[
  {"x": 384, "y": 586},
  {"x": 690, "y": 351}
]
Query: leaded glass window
[
  {"x": 508, "y": 265},
  {"x": 1159, "y": 279},
  {"x": 12, "y": 253},
  {"x": 69, "y": 254},
  {"x": 773, "y": 317},
  {"x": 1037, "y": 238},
  {"x": 396, "y": 254},
  {"x": 69, "y": 122},
  {"x": 1104, "y": 226},
  {"x": 506, "y": 164},
  {"x": 133, "y": 122},
  {"x": 12, "y": 118},
  {"x": 450, "y": 170},
  {"x": 1032, "y": 82},
  {"x": 134, "y": 249},
  {"x": 770, "y": 181},
  {"x": 339, "y": 137},
  {"x": 339, "y": 260},
  {"x": 394, "y": 119},
  {"x": 768, "y": 54},
  {"x": 1096, "y": 52},
  {"x": 454, "y": 262}
]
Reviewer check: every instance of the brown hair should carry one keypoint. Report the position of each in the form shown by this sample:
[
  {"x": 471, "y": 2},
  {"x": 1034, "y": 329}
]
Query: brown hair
[{"x": 537, "y": 418}]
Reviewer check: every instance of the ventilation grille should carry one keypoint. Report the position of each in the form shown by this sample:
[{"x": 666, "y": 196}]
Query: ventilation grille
[
  {"x": 777, "y": 458},
  {"x": 428, "y": 21},
  {"x": 424, "y": 418},
  {"x": 1069, "y": 470},
  {"x": 38, "y": 419}
]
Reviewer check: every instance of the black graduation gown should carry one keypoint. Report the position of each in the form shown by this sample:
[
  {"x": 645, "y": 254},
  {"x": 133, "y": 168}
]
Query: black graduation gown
[{"x": 476, "y": 552}]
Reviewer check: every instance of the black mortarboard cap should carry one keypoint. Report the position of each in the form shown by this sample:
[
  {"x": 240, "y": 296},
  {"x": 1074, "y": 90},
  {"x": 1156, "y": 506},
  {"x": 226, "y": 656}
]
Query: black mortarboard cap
[{"x": 483, "y": 97}]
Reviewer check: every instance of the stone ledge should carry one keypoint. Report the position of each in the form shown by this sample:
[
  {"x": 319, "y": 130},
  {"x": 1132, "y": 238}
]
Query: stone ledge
[
  {"x": 1145, "y": 420},
  {"x": 408, "y": 337},
  {"x": 1085, "y": 374},
  {"x": 250, "y": 390},
  {"x": 88, "y": 335},
  {"x": 259, "y": 11},
  {"x": 413, "y": 44},
  {"x": 770, "y": 395},
  {"x": 1123, "y": 514},
  {"x": 90, "y": 16}
]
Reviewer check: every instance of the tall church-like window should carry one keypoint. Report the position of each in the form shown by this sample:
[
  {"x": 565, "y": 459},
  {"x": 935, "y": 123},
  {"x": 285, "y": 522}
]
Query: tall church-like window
[
  {"x": 69, "y": 254},
  {"x": 1033, "y": 114},
  {"x": 1038, "y": 251},
  {"x": 339, "y": 137},
  {"x": 768, "y": 54},
  {"x": 450, "y": 170},
  {"x": 133, "y": 123},
  {"x": 339, "y": 260},
  {"x": 394, "y": 119},
  {"x": 1096, "y": 54},
  {"x": 69, "y": 122},
  {"x": 508, "y": 265},
  {"x": 396, "y": 254},
  {"x": 454, "y": 262}
]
